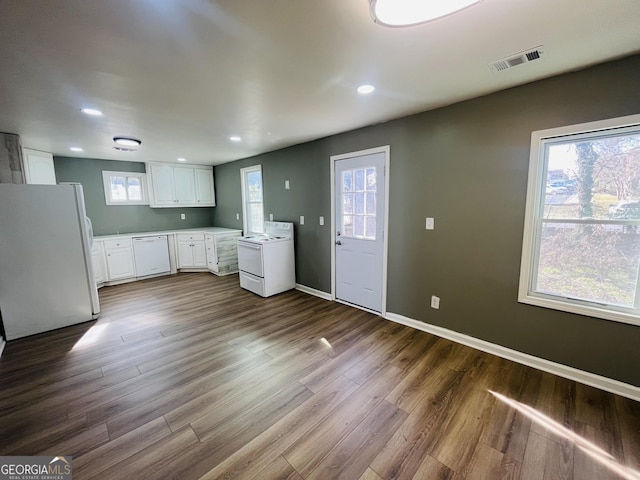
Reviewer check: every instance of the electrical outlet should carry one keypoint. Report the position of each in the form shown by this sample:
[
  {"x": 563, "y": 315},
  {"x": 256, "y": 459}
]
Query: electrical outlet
[
  {"x": 183, "y": 216},
  {"x": 321, "y": 220},
  {"x": 435, "y": 302},
  {"x": 286, "y": 184},
  {"x": 301, "y": 219},
  {"x": 271, "y": 217},
  {"x": 237, "y": 216},
  {"x": 430, "y": 223}
]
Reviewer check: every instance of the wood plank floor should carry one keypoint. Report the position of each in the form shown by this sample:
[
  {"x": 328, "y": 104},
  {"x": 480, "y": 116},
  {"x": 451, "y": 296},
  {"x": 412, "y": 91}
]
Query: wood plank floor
[{"x": 190, "y": 377}]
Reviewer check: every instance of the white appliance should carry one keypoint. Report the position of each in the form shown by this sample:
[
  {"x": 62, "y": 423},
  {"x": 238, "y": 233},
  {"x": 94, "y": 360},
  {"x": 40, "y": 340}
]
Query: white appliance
[
  {"x": 266, "y": 261},
  {"x": 46, "y": 275},
  {"x": 151, "y": 255}
]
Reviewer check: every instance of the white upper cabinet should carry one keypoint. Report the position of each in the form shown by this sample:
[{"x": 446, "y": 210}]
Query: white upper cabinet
[
  {"x": 38, "y": 167},
  {"x": 180, "y": 185},
  {"x": 204, "y": 187}
]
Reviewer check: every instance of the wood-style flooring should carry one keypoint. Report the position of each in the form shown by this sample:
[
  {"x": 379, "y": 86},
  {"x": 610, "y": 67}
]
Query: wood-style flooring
[{"x": 190, "y": 377}]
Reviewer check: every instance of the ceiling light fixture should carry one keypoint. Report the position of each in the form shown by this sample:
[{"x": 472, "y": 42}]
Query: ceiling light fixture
[
  {"x": 235, "y": 138},
  {"x": 181, "y": 159},
  {"x": 405, "y": 13},
  {"x": 127, "y": 141},
  {"x": 365, "y": 89},
  {"x": 76, "y": 149},
  {"x": 92, "y": 111}
]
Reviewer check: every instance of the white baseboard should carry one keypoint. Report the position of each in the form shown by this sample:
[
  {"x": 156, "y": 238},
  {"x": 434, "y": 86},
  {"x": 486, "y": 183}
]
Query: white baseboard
[
  {"x": 314, "y": 292},
  {"x": 2, "y": 344},
  {"x": 587, "y": 378}
]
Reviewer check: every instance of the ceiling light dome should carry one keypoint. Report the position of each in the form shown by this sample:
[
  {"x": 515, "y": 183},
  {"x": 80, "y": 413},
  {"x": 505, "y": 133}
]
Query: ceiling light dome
[
  {"x": 404, "y": 13},
  {"x": 127, "y": 141}
]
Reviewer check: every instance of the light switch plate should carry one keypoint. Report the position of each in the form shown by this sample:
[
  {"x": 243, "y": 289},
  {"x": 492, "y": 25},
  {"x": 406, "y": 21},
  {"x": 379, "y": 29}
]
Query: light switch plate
[
  {"x": 430, "y": 223},
  {"x": 321, "y": 220},
  {"x": 435, "y": 302},
  {"x": 301, "y": 219},
  {"x": 286, "y": 184},
  {"x": 183, "y": 216}
]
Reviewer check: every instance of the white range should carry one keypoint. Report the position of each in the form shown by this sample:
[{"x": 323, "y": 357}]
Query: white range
[{"x": 266, "y": 261}]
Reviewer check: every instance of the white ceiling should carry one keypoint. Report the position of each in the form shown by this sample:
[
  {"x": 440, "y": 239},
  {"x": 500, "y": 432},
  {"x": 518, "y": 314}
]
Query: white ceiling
[{"x": 185, "y": 75}]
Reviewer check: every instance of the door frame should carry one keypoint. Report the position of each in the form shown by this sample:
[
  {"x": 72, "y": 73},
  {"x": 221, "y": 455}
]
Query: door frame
[{"x": 386, "y": 150}]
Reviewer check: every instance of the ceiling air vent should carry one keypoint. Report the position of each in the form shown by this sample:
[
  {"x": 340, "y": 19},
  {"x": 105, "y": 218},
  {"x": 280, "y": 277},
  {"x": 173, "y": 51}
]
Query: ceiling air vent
[
  {"x": 517, "y": 59},
  {"x": 124, "y": 149}
]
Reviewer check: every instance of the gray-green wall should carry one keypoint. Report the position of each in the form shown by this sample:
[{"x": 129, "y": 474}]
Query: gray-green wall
[
  {"x": 110, "y": 219},
  {"x": 466, "y": 165}
]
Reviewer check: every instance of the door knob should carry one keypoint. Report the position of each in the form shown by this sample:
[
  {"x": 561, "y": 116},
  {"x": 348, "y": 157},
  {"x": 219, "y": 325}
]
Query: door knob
[{"x": 338, "y": 242}]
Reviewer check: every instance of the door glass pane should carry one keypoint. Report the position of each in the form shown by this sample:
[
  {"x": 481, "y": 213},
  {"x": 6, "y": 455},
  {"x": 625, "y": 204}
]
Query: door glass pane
[
  {"x": 347, "y": 181},
  {"x": 358, "y": 230},
  {"x": 359, "y": 179},
  {"x": 347, "y": 225},
  {"x": 371, "y": 203},
  {"x": 359, "y": 203},
  {"x": 370, "y": 230},
  {"x": 371, "y": 179},
  {"x": 359, "y": 207},
  {"x": 347, "y": 203}
]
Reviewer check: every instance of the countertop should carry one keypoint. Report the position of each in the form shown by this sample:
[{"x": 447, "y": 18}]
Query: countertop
[{"x": 210, "y": 230}]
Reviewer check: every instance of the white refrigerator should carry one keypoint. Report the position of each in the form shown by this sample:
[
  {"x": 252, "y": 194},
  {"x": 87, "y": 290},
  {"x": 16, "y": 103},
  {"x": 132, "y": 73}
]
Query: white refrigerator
[{"x": 46, "y": 275}]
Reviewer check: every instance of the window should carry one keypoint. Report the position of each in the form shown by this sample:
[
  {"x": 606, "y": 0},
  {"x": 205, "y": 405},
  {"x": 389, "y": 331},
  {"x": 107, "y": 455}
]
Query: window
[
  {"x": 252, "y": 203},
  {"x": 125, "y": 188},
  {"x": 358, "y": 194},
  {"x": 581, "y": 248}
]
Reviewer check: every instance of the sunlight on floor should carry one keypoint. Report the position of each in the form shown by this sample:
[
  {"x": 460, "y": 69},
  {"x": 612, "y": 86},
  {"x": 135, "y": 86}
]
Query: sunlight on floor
[
  {"x": 582, "y": 443},
  {"x": 91, "y": 337}
]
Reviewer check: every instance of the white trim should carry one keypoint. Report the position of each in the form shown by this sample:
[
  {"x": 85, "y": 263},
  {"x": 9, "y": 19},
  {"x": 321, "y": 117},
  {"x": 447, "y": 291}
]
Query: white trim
[
  {"x": 386, "y": 150},
  {"x": 314, "y": 292},
  {"x": 586, "y": 378},
  {"x": 243, "y": 193},
  {"x": 2, "y": 345},
  {"x": 535, "y": 184},
  {"x": 106, "y": 183}
]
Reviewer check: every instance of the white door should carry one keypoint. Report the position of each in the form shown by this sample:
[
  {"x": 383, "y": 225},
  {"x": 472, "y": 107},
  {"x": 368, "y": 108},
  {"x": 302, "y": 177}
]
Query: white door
[{"x": 359, "y": 220}]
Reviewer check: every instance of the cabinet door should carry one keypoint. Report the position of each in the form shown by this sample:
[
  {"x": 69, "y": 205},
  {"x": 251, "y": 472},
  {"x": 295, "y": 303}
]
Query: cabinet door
[
  {"x": 205, "y": 195},
  {"x": 120, "y": 263},
  {"x": 184, "y": 186},
  {"x": 185, "y": 255},
  {"x": 199, "y": 254},
  {"x": 38, "y": 167},
  {"x": 163, "y": 185},
  {"x": 97, "y": 259}
]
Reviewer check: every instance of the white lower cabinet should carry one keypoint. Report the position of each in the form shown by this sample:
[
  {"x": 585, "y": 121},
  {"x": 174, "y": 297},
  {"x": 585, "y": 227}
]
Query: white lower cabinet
[
  {"x": 119, "y": 255},
  {"x": 222, "y": 252},
  {"x": 191, "y": 251},
  {"x": 99, "y": 267}
]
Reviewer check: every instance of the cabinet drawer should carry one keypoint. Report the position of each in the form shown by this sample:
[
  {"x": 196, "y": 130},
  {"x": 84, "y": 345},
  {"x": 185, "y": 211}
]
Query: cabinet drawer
[
  {"x": 252, "y": 283},
  {"x": 186, "y": 237},
  {"x": 117, "y": 243}
]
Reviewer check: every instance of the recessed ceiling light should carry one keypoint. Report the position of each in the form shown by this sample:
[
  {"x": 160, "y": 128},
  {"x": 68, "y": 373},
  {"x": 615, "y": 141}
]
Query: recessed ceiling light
[
  {"x": 365, "y": 89},
  {"x": 235, "y": 138},
  {"x": 91, "y": 111},
  {"x": 127, "y": 141},
  {"x": 182, "y": 159},
  {"x": 404, "y": 13},
  {"x": 76, "y": 149}
]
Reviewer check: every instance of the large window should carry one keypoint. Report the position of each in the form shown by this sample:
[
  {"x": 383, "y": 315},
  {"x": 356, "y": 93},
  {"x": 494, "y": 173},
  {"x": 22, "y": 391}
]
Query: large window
[
  {"x": 125, "y": 188},
  {"x": 252, "y": 203},
  {"x": 581, "y": 250}
]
